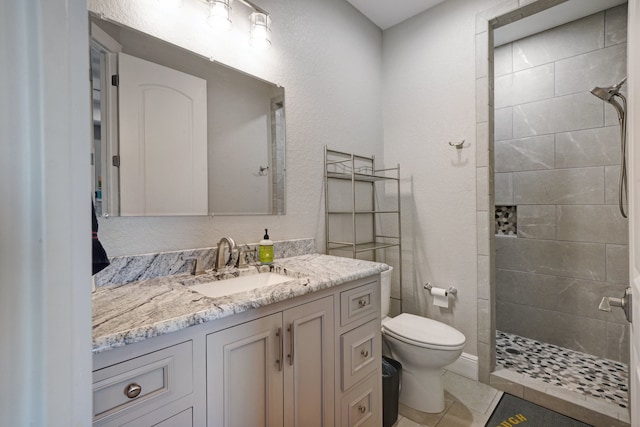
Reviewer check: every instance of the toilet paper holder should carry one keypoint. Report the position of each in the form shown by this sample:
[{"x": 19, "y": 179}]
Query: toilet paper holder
[{"x": 451, "y": 290}]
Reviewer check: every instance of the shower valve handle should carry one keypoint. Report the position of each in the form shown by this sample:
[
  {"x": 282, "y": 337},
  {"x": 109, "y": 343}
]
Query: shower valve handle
[{"x": 624, "y": 302}]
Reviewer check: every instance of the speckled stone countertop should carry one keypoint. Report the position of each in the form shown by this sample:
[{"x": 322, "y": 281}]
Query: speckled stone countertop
[{"x": 132, "y": 312}]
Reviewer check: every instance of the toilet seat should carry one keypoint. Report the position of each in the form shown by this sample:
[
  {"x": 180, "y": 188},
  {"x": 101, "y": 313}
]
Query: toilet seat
[{"x": 423, "y": 332}]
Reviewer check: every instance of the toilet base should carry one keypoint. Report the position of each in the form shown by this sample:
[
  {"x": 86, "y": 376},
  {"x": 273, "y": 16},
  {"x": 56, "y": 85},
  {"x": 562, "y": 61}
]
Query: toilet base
[{"x": 423, "y": 392}]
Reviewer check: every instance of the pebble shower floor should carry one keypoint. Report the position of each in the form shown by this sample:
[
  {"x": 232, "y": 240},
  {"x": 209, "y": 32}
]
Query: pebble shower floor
[{"x": 569, "y": 369}]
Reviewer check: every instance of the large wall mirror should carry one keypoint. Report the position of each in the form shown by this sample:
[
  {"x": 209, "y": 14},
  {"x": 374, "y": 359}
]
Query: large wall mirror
[{"x": 177, "y": 134}]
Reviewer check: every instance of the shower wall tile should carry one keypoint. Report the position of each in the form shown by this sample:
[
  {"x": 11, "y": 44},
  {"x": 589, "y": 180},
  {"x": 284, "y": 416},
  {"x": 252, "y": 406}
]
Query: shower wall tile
[
  {"x": 618, "y": 341},
  {"x": 484, "y": 272},
  {"x": 611, "y": 183},
  {"x": 503, "y": 91},
  {"x": 529, "y": 85},
  {"x": 482, "y": 144},
  {"x": 503, "y": 123},
  {"x": 503, "y": 183},
  {"x": 502, "y": 60},
  {"x": 572, "y": 296},
  {"x": 482, "y": 192},
  {"x": 561, "y": 114},
  {"x": 582, "y": 298},
  {"x": 482, "y": 222},
  {"x": 618, "y": 264},
  {"x": 523, "y": 288},
  {"x": 482, "y": 54},
  {"x": 537, "y": 221},
  {"x": 566, "y": 259},
  {"x": 562, "y": 329},
  {"x": 610, "y": 114},
  {"x": 559, "y": 186},
  {"x": 592, "y": 223},
  {"x": 581, "y": 73},
  {"x": 524, "y": 154},
  {"x": 482, "y": 99},
  {"x": 484, "y": 326},
  {"x": 590, "y": 147},
  {"x": 580, "y": 36},
  {"x": 615, "y": 25}
]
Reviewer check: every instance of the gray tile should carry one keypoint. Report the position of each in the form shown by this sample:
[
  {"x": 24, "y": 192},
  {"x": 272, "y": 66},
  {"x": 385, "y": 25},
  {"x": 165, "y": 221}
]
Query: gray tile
[
  {"x": 582, "y": 73},
  {"x": 524, "y": 154},
  {"x": 560, "y": 186},
  {"x": 482, "y": 222},
  {"x": 566, "y": 259},
  {"x": 482, "y": 54},
  {"x": 618, "y": 341},
  {"x": 610, "y": 114},
  {"x": 561, "y": 114},
  {"x": 616, "y": 25},
  {"x": 472, "y": 394},
  {"x": 611, "y": 182},
  {"x": 482, "y": 144},
  {"x": 503, "y": 184},
  {"x": 565, "y": 330},
  {"x": 482, "y": 100},
  {"x": 618, "y": 264},
  {"x": 484, "y": 321},
  {"x": 582, "y": 35},
  {"x": 503, "y": 91},
  {"x": 482, "y": 190},
  {"x": 582, "y": 298},
  {"x": 523, "y": 288},
  {"x": 484, "y": 265},
  {"x": 502, "y": 60},
  {"x": 590, "y": 147},
  {"x": 503, "y": 123},
  {"x": 537, "y": 221},
  {"x": 592, "y": 223},
  {"x": 533, "y": 84},
  {"x": 461, "y": 416}
]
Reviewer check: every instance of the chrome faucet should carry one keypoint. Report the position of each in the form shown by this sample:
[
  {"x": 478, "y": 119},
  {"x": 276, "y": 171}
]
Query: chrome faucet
[{"x": 220, "y": 262}]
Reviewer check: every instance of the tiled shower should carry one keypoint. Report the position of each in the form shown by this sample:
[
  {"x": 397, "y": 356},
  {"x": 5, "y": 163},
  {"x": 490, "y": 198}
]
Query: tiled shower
[{"x": 561, "y": 243}]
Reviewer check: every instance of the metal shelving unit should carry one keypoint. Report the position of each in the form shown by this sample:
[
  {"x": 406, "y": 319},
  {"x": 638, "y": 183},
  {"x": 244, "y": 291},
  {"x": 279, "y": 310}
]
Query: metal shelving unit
[{"x": 358, "y": 204}]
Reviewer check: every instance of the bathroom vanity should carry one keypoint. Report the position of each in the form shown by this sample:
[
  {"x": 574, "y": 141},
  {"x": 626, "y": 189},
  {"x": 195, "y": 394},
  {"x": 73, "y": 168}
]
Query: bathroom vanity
[{"x": 305, "y": 352}]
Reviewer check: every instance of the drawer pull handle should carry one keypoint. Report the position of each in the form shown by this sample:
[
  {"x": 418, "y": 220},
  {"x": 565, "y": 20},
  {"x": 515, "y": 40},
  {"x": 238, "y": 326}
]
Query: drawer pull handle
[
  {"x": 133, "y": 390},
  {"x": 362, "y": 302},
  {"x": 364, "y": 353},
  {"x": 362, "y": 409}
]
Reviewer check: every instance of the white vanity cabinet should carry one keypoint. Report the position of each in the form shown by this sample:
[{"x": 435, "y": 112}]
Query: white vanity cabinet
[
  {"x": 274, "y": 371},
  {"x": 313, "y": 360}
]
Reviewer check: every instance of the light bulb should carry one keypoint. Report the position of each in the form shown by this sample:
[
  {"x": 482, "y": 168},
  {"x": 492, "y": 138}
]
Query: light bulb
[{"x": 260, "y": 30}]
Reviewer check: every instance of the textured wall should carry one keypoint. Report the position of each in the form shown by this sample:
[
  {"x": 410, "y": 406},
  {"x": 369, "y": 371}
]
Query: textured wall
[
  {"x": 328, "y": 58},
  {"x": 557, "y": 158},
  {"x": 430, "y": 100}
]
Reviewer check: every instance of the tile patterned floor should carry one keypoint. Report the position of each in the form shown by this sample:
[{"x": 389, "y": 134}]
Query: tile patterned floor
[{"x": 578, "y": 372}]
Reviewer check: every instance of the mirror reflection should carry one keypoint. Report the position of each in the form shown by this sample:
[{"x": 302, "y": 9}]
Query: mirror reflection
[{"x": 177, "y": 134}]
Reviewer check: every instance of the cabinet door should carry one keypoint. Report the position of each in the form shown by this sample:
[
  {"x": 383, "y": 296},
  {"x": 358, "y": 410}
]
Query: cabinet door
[
  {"x": 309, "y": 364},
  {"x": 244, "y": 376}
]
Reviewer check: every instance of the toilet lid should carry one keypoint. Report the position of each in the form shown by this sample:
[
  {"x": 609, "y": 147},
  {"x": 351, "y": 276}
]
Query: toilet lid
[{"x": 422, "y": 330}]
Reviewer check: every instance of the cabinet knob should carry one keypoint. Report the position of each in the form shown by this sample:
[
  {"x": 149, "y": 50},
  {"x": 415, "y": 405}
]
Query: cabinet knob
[
  {"x": 362, "y": 302},
  {"x": 362, "y": 409},
  {"x": 364, "y": 353},
  {"x": 133, "y": 390}
]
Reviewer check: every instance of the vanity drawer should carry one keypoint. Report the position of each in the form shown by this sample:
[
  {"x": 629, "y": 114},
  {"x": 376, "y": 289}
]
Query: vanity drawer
[
  {"x": 360, "y": 351},
  {"x": 361, "y": 407},
  {"x": 149, "y": 382},
  {"x": 359, "y": 303}
]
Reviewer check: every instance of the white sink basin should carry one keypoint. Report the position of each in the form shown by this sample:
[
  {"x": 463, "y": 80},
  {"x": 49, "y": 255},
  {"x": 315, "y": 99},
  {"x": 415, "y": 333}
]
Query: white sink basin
[{"x": 219, "y": 288}]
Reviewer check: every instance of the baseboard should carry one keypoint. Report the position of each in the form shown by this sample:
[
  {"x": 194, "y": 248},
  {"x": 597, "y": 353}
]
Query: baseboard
[{"x": 466, "y": 365}]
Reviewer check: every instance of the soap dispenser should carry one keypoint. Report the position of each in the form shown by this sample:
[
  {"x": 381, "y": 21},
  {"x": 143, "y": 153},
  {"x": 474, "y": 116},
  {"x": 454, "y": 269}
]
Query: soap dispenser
[{"x": 266, "y": 249}]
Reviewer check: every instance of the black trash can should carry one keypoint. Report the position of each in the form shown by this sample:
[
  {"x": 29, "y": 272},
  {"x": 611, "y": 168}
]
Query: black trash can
[{"x": 391, "y": 370}]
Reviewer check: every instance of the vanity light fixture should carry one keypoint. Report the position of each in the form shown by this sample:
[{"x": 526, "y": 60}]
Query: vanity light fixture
[
  {"x": 219, "y": 14},
  {"x": 220, "y": 18}
]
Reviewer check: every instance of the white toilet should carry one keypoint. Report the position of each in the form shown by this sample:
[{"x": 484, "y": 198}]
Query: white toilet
[{"x": 423, "y": 347}]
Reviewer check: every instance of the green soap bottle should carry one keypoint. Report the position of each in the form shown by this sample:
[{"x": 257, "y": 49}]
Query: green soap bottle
[{"x": 266, "y": 249}]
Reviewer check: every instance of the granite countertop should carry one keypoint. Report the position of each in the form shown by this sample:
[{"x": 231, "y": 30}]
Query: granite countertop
[{"x": 127, "y": 313}]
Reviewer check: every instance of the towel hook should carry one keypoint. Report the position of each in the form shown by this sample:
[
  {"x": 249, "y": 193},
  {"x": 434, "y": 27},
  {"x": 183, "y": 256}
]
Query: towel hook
[{"x": 458, "y": 145}]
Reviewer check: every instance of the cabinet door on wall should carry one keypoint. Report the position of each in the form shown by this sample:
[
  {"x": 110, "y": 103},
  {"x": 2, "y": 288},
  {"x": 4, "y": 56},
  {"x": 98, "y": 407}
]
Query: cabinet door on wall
[
  {"x": 309, "y": 365},
  {"x": 244, "y": 377}
]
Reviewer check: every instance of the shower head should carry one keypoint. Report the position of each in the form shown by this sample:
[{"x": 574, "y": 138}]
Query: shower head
[{"x": 606, "y": 93}]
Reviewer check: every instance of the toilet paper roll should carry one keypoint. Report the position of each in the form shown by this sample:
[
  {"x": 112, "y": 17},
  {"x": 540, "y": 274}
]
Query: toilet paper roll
[{"x": 440, "y": 297}]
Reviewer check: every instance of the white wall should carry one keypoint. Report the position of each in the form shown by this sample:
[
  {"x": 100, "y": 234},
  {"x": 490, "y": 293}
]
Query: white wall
[
  {"x": 328, "y": 58},
  {"x": 429, "y": 99}
]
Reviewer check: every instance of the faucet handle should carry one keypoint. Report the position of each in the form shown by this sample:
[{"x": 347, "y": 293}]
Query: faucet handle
[{"x": 198, "y": 266}]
